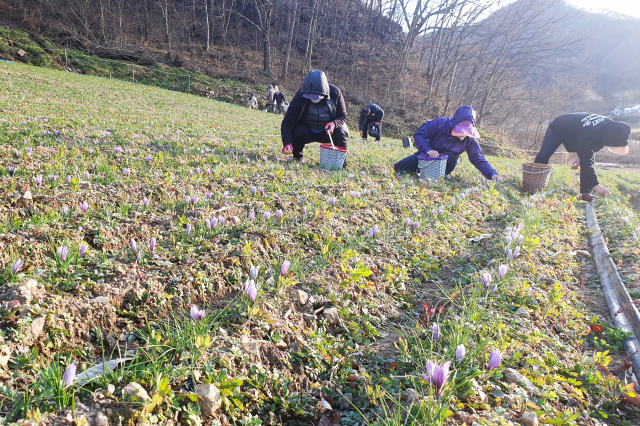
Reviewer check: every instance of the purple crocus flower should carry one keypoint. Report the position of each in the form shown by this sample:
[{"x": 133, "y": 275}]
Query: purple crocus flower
[
  {"x": 440, "y": 376},
  {"x": 82, "y": 249},
  {"x": 516, "y": 252},
  {"x": 208, "y": 223},
  {"x": 134, "y": 246},
  {"x": 69, "y": 375},
  {"x": 435, "y": 329},
  {"x": 502, "y": 271},
  {"x": 434, "y": 212},
  {"x": 408, "y": 222},
  {"x": 304, "y": 210},
  {"x": 428, "y": 374},
  {"x": 494, "y": 360},
  {"x": 453, "y": 203},
  {"x": 38, "y": 180},
  {"x": 253, "y": 271},
  {"x": 390, "y": 185},
  {"x": 250, "y": 290},
  {"x": 64, "y": 210},
  {"x": 486, "y": 279},
  {"x": 53, "y": 177},
  {"x": 509, "y": 254},
  {"x": 152, "y": 244},
  {"x": 332, "y": 201},
  {"x": 373, "y": 231},
  {"x": 17, "y": 266},
  {"x": 221, "y": 220},
  {"x": 267, "y": 215},
  {"x": 148, "y": 158},
  {"x": 415, "y": 225},
  {"x": 285, "y": 267},
  {"x": 520, "y": 238},
  {"x": 145, "y": 202},
  {"x": 63, "y": 251},
  {"x": 68, "y": 180},
  {"x": 461, "y": 351},
  {"x": 196, "y": 313},
  {"x": 252, "y": 216},
  {"x": 279, "y": 214},
  {"x": 253, "y": 190},
  {"x": 127, "y": 172},
  {"x": 188, "y": 231},
  {"x": 209, "y": 195},
  {"x": 225, "y": 195},
  {"x": 441, "y": 211}
]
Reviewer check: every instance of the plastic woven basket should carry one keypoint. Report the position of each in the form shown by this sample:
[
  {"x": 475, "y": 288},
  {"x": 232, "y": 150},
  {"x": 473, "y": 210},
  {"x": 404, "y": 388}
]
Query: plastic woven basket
[
  {"x": 432, "y": 168},
  {"x": 332, "y": 157},
  {"x": 535, "y": 177}
]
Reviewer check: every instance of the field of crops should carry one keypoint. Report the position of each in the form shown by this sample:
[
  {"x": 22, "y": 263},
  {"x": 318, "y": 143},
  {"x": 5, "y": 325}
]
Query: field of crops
[{"x": 162, "y": 263}]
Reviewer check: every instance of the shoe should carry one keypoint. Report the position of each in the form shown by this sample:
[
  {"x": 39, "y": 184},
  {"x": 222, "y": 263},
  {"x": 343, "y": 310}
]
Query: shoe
[
  {"x": 588, "y": 197},
  {"x": 344, "y": 166}
]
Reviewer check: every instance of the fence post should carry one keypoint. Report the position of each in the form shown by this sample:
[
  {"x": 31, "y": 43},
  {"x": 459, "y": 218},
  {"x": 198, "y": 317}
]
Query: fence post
[
  {"x": 189, "y": 83},
  {"x": 66, "y": 60}
]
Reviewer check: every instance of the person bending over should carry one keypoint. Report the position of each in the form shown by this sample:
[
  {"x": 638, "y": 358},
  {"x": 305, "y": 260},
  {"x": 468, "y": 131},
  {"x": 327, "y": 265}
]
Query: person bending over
[
  {"x": 585, "y": 134},
  {"x": 450, "y": 136},
  {"x": 371, "y": 114},
  {"x": 316, "y": 111}
]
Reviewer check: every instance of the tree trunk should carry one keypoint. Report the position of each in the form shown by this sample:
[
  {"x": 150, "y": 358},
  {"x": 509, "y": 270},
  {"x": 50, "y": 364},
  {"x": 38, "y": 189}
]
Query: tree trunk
[
  {"x": 292, "y": 24},
  {"x": 206, "y": 14}
]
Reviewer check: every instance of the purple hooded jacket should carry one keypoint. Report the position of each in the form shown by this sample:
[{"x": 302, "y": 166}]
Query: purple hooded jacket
[{"x": 436, "y": 135}]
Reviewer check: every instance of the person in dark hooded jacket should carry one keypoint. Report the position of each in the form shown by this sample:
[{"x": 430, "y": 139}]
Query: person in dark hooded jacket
[
  {"x": 585, "y": 134},
  {"x": 371, "y": 114},
  {"x": 450, "y": 136},
  {"x": 316, "y": 111}
]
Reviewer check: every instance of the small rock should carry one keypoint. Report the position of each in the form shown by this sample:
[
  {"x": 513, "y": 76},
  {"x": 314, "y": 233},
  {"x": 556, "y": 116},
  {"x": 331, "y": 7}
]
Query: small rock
[
  {"x": 482, "y": 397},
  {"x": 522, "y": 312},
  {"x": 103, "y": 300},
  {"x": 302, "y": 297},
  {"x": 100, "y": 420},
  {"x": 37, "y": 326},
  {"x": 110, "y": 389},
  {"x": 345, "y": 401},
  {"x": 583, "y": 253},
  {"x": 208, "y": 398},
  {"x": 21, "y": 52},
  {"x": 528, "y": 419},
  {"x": 85, "y": 184},
  {"x": 331, "y": 315},
  {"x": 409, "y": 396},
  {"x": 309, "y": 317},
  {"x": 512, "y": 376},
  {"x": 111, "y": 341},
  {"x": 465, "y": 418},
  {"x": 235, "y": 219},
  {"x": 134, "y": 390},
  {"x": 26, "y": 199}
]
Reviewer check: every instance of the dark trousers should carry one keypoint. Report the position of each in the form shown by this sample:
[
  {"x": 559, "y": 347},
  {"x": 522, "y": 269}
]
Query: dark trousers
[
  {"x": 410, "y": 164},
  {"x": 365, "y": 132},
  {"x": 302, "y": 135},
  {"x": 552, "y": 142}
]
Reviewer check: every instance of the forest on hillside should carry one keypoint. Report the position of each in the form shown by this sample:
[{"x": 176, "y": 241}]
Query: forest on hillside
[{"x": 518, "y": 65}]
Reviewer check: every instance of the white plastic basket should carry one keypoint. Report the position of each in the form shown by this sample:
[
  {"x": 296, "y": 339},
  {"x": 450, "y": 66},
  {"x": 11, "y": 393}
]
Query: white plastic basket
[
  {"x": 332, "y": 157},
  {"x": 432, "y": 168}
]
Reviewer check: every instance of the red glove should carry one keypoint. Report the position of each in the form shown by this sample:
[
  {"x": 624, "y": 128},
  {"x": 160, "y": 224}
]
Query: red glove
[
  {"x": 287, "y": 149},
  {"x": 330, "y": 127}
]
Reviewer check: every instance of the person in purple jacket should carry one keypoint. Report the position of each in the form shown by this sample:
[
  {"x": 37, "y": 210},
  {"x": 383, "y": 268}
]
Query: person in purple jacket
[{"x": 450, "y": 136}]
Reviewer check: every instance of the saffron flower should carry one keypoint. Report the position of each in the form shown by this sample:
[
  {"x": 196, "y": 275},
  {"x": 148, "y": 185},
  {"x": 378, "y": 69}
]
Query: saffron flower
[
  {"x": 441, "y": 211},
  {"x": 17, "y": 266},
  {"x": 68, "y": 180},
  {"x": 196, "y": 313},
  {"x": 453, "y": 203},
  {"x": 64, "y": 210},
  {"x": 509, "y": 254},
  {"x": 460, "y": 353},
  {"x": 221, "y": 220},
  {"x": 84, "y": 206},
  {"x": 145, "y": 202},
  {"x": 188, "y": 231},
  {"x": 127, "y": 172},
  {"x": 253, "y": 190},
  {"x": 428, "y": 374},
  {"x": 437, "y": 374},
  {"x": 279, "y": 214},
  {"x": 415, "y": 225},
  {"x": 435, "y": 329},
  {"x": 516, "y": 252},
  {"x": 63, "y": 251},
  {"x": 254, "y": 270},
  {"x": 502, "y": 271},
  {"x": 38, "y": 180},
  {"x": 134, "y": 246},
  {"x": 82, "y": 249},
  {"x": 373, "y": 231},
  {"x": 209, "y": 195},
  {"x": 486, "y": 279},
  {"x": 252, "y": 216},
  {"x": 69, "y": 375},
  {"x": 250, "y": 290},
  {"x": 208, "y": 223},
  {"x": 267, "y": 215},
  {"x": 53, "y": 177},
  {"x": 285, "y": 267},
  {"x": 494, "y": 360},
  {"x": 332, "y": 201},
  {"x": 152, "y": 244}
]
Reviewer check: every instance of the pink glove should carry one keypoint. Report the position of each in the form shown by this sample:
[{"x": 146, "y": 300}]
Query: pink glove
[
  {"x": 287, "y": 149},
  {"x": 330, "y": 127}
]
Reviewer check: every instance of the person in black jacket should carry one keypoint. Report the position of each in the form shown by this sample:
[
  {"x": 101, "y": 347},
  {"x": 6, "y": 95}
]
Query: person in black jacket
[
  {"x": 279, "y": 99},
  {"x": 585, "y": 134},
  {"x": 316, "y": 111},
  {"x": 371, "y": 114}
]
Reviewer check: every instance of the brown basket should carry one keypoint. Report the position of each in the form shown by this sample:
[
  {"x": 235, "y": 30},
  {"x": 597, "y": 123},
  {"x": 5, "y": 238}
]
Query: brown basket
[{"x": 535, "y": 177}]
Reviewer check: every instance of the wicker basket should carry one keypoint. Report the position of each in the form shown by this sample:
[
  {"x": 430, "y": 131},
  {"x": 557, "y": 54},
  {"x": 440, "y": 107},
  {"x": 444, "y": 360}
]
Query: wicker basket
[
  {"x": 332, "y": 157},
  {"x": 432, "y": 168},
  {"x": 535, "y": 177}
]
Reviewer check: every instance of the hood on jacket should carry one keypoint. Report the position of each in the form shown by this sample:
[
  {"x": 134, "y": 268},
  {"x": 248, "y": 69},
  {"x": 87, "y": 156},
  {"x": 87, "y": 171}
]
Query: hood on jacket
[
  {"x": 315, "y": 83},
  {"x": 616, "y": 133},
  {"x": 269, "y": 87},
  {"x": 464, "y": 113}
]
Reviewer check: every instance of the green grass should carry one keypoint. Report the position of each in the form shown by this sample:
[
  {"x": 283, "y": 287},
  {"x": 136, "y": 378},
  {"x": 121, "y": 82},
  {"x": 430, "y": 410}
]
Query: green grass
[{"x": 272, "y": 358}]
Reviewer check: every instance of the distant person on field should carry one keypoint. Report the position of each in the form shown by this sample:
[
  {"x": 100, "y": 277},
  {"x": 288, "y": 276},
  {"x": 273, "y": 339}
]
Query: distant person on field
[
  {"x": 450, "y": 136},
  {"x": 270, "y": 102},
  {"x": 585, "y": 134},
  {"x": 316, "y": 111},
  {"x": 371, "y": 114},
  {"x": 252, "y": 102},
  {"x": 279, "y": 100}
]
